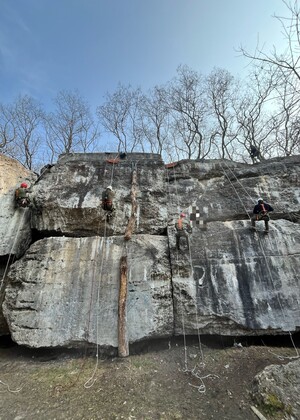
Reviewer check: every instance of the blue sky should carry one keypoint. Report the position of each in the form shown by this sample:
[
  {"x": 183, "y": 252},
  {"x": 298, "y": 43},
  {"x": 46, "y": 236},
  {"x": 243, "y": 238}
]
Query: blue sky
[{"x": 92, "y": 45}]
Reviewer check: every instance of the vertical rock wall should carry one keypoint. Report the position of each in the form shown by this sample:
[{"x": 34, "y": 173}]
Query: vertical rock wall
[{"x": 231, "y": 281}]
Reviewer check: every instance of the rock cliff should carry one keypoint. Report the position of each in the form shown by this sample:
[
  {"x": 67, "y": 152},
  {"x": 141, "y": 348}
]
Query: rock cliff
[{"x": 64, "y": 290}]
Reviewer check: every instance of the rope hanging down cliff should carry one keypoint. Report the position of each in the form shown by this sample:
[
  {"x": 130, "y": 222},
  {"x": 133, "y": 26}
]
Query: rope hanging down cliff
[
  {"x": 2, "y": 282},
  {"x": 265, "y": 258},
  {"x": 196, "y": 370},
  {"x": 90, "y": 382}
]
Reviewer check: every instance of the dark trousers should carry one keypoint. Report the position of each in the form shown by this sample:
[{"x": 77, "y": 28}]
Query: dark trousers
[
  {"x": 258, "y": 217},
  {"x": 182, "y": 234}
]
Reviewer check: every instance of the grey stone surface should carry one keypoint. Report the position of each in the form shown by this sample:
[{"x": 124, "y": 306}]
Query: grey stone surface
[
  {"x": 64, "y": 291},
  {"x": 236, "y": 282},
  {"x": 68, "y": 196},
  {"x": 278, "y": 386},
  {"x": 231, "y": 282},
  {"x": 15, "y": 232}
]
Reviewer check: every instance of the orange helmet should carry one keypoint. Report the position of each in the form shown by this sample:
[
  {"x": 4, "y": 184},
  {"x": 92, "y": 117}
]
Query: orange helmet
[{"x": 23, "y": 185}]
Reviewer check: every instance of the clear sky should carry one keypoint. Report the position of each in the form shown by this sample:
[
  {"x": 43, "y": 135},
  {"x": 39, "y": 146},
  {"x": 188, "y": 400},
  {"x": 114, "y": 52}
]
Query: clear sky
[{"x": 92, "y": 45}]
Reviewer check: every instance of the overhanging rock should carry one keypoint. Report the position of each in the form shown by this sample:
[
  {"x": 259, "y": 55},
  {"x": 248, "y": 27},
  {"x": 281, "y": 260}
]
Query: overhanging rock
[{"x": 68, "y": 196}]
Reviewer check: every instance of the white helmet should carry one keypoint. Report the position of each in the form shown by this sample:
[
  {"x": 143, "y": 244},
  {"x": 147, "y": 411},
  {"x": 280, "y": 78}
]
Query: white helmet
[
  {"x": 259, "y": 200},
  {"x": 109, "y": 188}
]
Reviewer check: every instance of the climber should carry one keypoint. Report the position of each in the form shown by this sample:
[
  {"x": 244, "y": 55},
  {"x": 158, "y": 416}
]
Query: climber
[
  {"x": 107, "y": 199},
  {"x": 21, "y": 195},
  {"x": 254, "y": 153},
  {"x": 182, "y": 229},
  {"x": 260, "y": 212}
]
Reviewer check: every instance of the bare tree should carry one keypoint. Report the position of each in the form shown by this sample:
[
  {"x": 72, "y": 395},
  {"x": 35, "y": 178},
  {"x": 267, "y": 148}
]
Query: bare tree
[
  {"x": 155, "y": 120},
  {"x": 120, "y": 116},
  {"x": 222, "y": 92},
  {"x": 255, "y": 113},
  {"x": 7, "y": 127},
  {"x": 70, "y": 128},
  {"x": 186, "y": 98},
  {"x": 23, "y": 125}
]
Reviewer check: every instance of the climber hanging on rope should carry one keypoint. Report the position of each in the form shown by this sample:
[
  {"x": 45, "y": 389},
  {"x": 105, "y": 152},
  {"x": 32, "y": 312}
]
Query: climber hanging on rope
[
  {"x": 183, "y": 228},
  {"x": 22, "y": 196},
  {"x": 107, "y": 200},
  {"x": 260, "y": 212}
]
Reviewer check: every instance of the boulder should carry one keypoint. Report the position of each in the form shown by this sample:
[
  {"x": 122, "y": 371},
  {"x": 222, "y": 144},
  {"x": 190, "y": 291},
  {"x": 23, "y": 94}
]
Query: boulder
[{"x": 276, "y": 390}]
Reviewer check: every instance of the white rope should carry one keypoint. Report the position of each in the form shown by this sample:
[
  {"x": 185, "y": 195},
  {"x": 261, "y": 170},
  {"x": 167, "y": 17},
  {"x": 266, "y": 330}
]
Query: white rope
[
  {"x": 12, "y": 248},
  {"x": 1, "y": 284},
  {"x": 13, "y": 391},
  {"x": 268, "y": 268},
  {"x": 201, "y": 388},
  {"x": 91, "y": 381}
]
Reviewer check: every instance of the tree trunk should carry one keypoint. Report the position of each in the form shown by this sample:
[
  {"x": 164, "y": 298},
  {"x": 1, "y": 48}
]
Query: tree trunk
[
  {"x": 123, "y": 347},
  {"x": 132, "y": 219}
]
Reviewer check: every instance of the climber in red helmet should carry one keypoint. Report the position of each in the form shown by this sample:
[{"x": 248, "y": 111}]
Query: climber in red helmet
[
  {"x": 182, "y": 228},
  {"x": 21, "y": 195}
]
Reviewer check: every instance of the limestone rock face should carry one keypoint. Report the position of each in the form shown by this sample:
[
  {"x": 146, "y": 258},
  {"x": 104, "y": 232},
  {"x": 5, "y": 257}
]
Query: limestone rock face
[
  {"x": 234, "y": 281},
  {"x": 277, "y": 387},
  {"x": 64, "y": 291},
  {"x": 231, "y": 281},
  {"x": 238, "y": 281},
  {"x": 69, "y": 195},
  {"x": 15, "y": 232}
]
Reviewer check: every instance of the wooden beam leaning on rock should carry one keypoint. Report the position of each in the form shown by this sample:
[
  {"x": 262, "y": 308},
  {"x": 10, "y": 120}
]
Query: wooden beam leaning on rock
[
  {"x": 123, "y": 346},
  {"x": 132, "y": 219}
]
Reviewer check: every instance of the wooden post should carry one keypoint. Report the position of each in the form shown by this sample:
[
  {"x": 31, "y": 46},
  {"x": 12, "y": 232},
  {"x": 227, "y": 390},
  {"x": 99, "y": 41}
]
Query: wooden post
[
  {"x": 132, "y": 219},
  {"x": 123, "y": 347}
]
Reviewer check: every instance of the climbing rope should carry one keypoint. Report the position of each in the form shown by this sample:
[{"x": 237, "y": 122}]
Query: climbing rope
[
  {"x": 13, "y": 391},
  {"x": 195, "y": 372},
  {"x": 12, "y": 248},
  {"x": 91, "y": 381},
  {"x": 267, "y": 264},
  {"x": 1, "y": 284}
]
